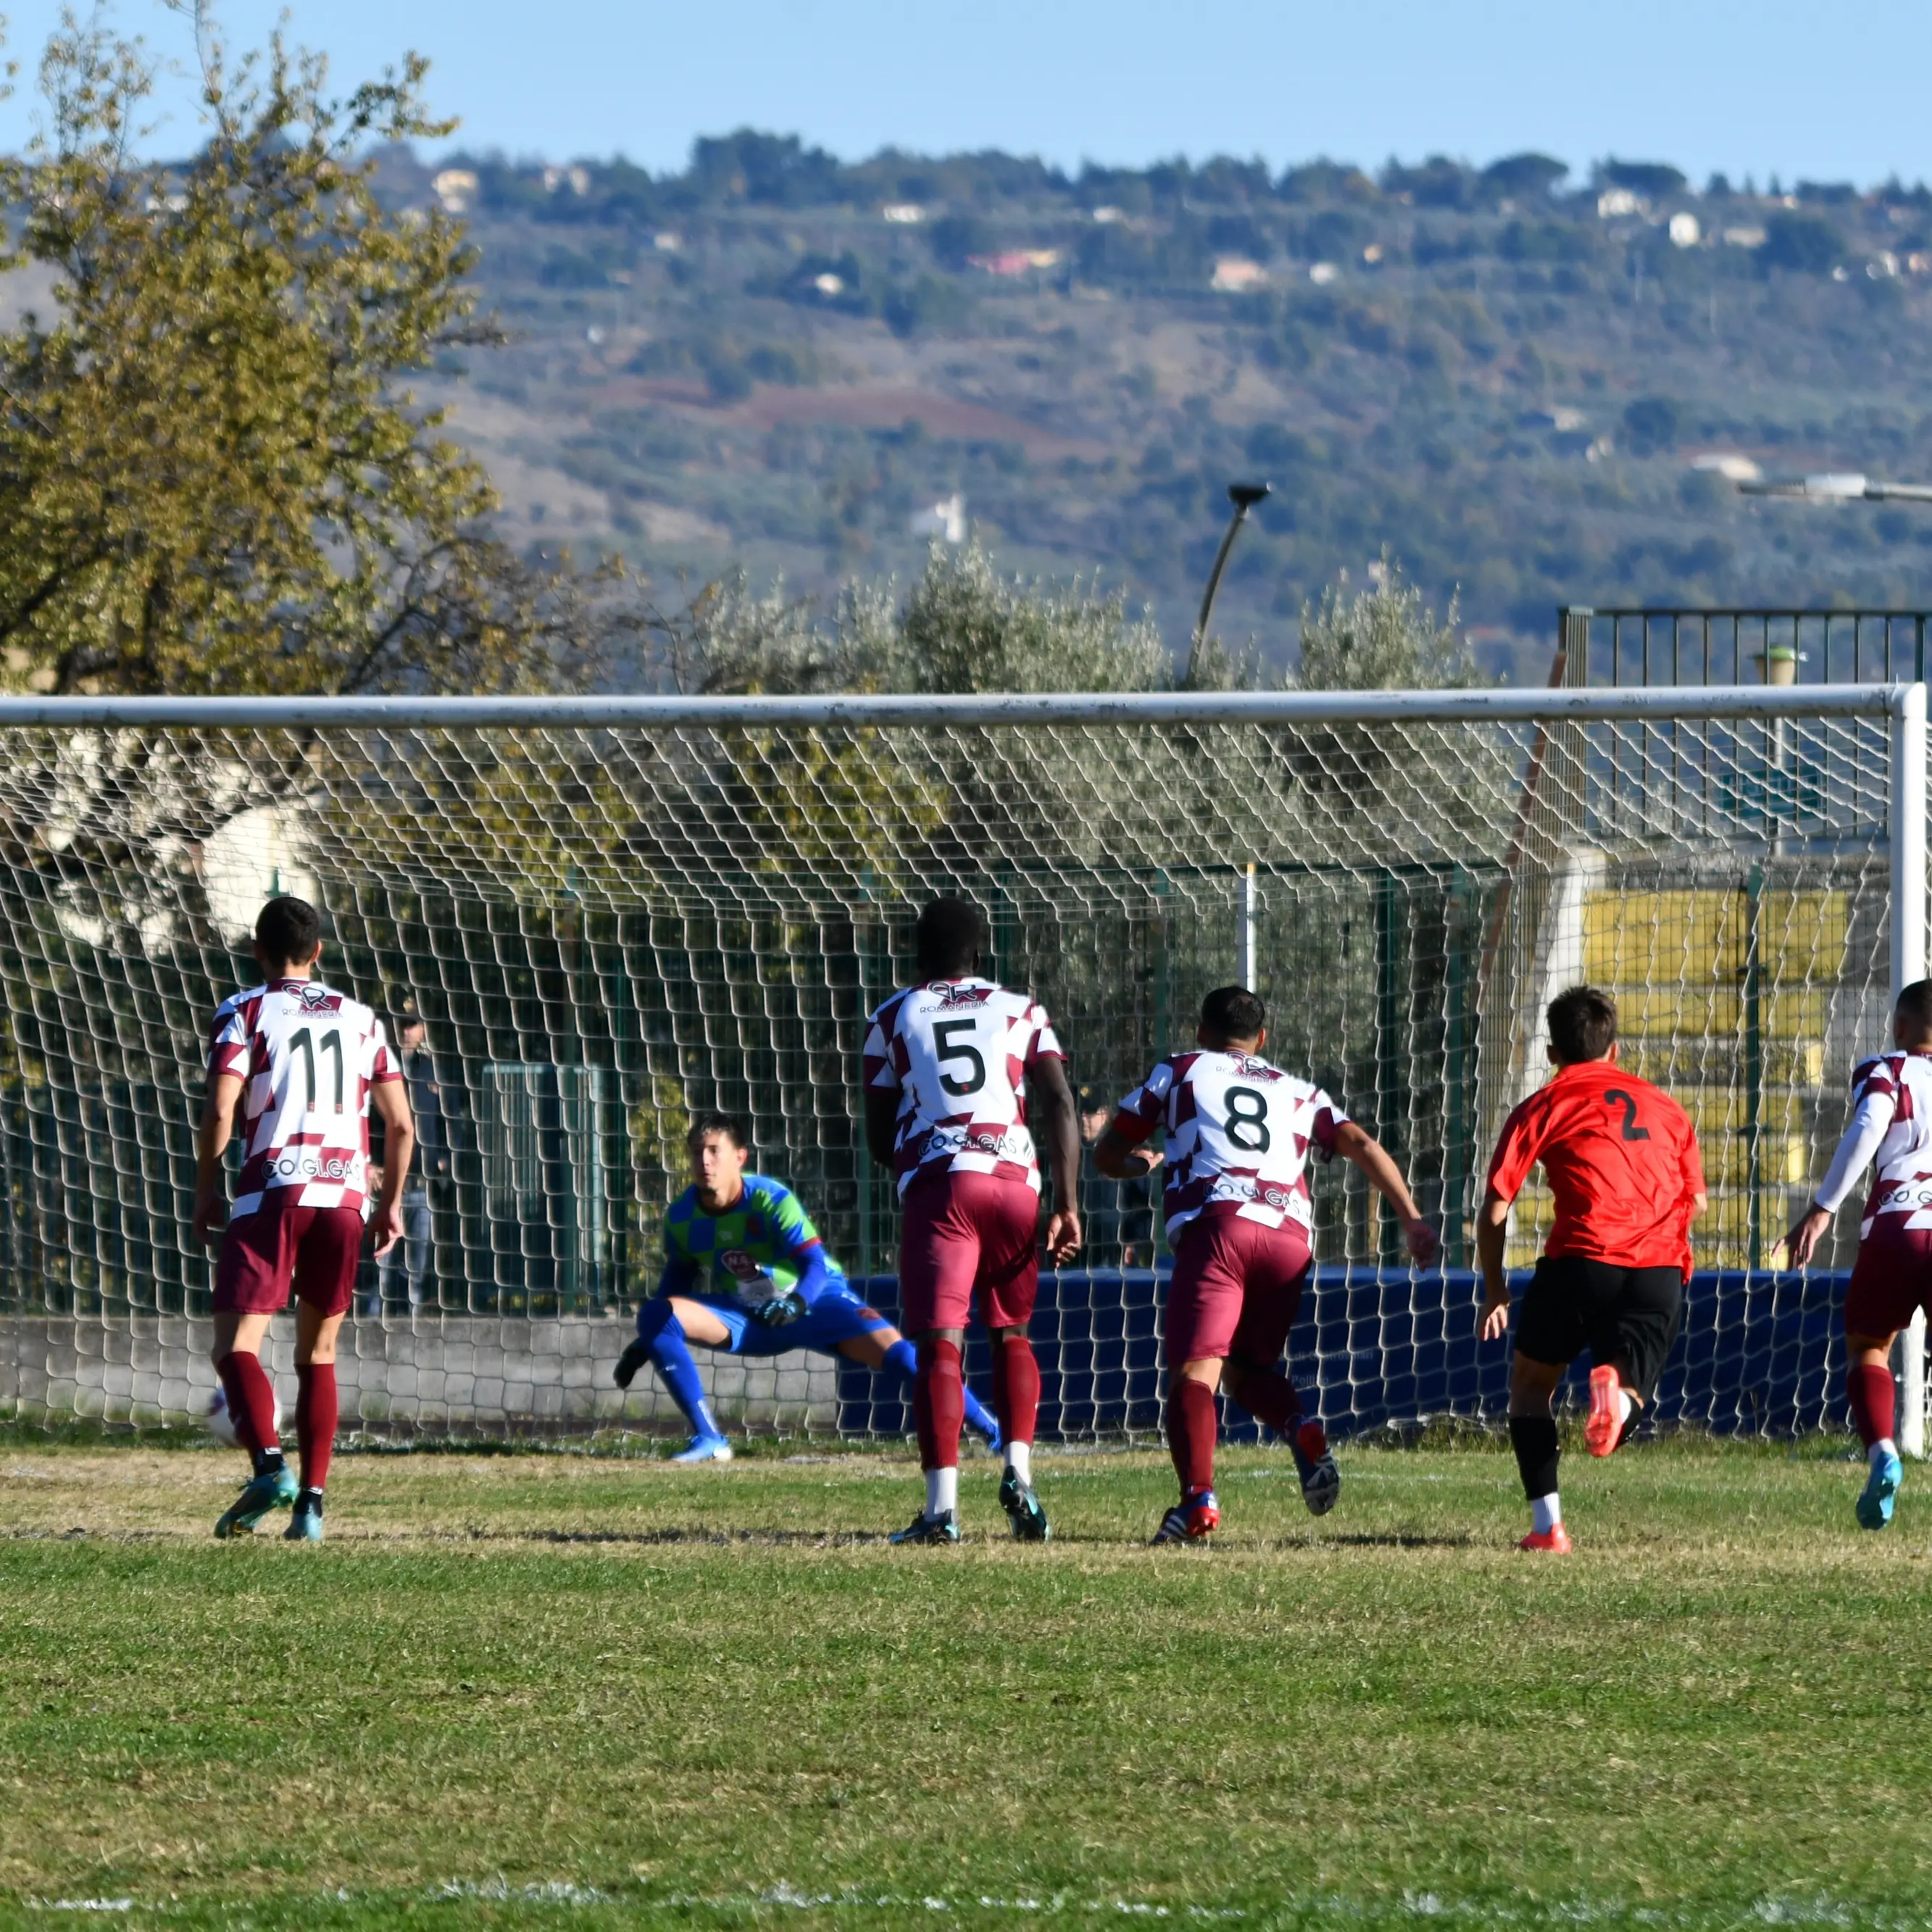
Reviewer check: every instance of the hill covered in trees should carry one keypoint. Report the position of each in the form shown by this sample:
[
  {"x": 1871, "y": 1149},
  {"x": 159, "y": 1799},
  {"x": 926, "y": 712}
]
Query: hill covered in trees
[{"x": 779, "y": 360}]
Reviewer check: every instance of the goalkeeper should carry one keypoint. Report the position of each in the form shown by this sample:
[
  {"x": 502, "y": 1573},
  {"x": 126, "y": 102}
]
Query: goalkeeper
[{"x": 745, "y": 1271}]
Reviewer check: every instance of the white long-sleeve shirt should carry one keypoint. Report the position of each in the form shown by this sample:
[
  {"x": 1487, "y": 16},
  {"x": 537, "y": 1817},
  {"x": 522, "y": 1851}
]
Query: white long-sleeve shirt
[{"x": 1891, "y": 1127}]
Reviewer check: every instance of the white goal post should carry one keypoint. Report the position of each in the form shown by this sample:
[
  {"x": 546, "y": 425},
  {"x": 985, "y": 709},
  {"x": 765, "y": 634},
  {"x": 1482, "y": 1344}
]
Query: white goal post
[{"x": 612, "y": 913}]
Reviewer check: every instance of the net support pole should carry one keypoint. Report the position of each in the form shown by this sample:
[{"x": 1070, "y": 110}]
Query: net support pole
[
  {"x": 1908, "y": 964},
  {"x": 1247, "y": 922}
]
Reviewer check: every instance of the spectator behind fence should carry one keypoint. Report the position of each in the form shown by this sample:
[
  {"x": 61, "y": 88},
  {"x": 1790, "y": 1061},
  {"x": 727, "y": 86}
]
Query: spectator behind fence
[
  {"x": 405, "y": 1277},
  {"x": 1117, "y": 1216}
]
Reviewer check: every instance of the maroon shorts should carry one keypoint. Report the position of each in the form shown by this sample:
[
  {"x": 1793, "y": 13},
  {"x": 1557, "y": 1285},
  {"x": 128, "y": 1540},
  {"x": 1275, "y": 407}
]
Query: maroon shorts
[
  {"x": 312, "y": 1249},
  {"x": 1236, "y": 1287},
  {"x": 965, "y": 1238},
  {"x": 1891, "y": 1280}
]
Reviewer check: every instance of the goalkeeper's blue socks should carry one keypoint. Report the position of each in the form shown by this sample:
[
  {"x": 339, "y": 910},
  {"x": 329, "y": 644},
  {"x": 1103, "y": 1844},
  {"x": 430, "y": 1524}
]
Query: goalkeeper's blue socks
[
  {"x": 671, "y": 1357},
  {"x": 903, "y": 1359}
]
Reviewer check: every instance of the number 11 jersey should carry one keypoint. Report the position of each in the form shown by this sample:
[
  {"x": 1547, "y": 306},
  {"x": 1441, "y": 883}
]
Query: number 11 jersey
[
  {"x": 1238, "y": 1132},
  {"x": 306, "y": 1057},
  {"x": 958, "y": 1052}
]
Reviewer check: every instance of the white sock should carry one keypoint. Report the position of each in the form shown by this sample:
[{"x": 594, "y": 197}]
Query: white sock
[
  {"x": 1546, "y": 1513},
  {"x": 1019, "y": 1459},
  {"x": 1625, "y": 1403},
  {"x": 942, "y": 1491},
  {"x": 1884, "y": 1446}
]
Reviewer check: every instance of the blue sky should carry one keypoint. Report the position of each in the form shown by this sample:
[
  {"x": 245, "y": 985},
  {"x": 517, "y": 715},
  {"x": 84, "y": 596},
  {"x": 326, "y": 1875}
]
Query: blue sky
[{"x": 1805, "y": 90}]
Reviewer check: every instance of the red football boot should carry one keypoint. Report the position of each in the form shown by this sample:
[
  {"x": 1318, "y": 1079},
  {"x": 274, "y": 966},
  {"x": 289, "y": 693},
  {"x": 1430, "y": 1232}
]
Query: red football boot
[
  {"x": 1192, "y": 1521},
  {"x": 1555, "y": 1541},
  {"x": 1606, "y": 1411}
]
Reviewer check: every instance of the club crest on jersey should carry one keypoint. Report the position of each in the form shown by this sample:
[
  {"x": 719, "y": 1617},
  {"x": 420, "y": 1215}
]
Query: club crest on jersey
[
  {"x": 963, "y": 996},
  {"x": 1252, "y": 1069},
  {"x": 737, "y": 1262},
  {"x": 315, "y": 999}
]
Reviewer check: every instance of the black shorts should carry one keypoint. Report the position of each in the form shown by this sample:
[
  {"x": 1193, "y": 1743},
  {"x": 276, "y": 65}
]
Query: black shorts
[{"x": 1617, "y": 1313}]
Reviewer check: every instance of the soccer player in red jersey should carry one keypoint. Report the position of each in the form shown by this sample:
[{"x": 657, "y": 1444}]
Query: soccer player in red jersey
[
  {"x": 1891, "y": 1127},
  {"x": 1621, "y": 1159},
  {"x": 1241, "y": 1222},
  {"x": 953, "y": 1066},
  {"x": 303, "y": 1063}
]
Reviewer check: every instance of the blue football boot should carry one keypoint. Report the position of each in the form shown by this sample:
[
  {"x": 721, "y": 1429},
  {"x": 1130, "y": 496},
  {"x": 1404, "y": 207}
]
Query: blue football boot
[
  {"x": 1880, "y": 1492},
  {"x": 943, "y": 1528},
  {"x": 274, "y": 1489},
  {"x": 705, "y": 1449},
  {"x": 1023, "y": 1510},
  {"x": 305, "y": 1526}
]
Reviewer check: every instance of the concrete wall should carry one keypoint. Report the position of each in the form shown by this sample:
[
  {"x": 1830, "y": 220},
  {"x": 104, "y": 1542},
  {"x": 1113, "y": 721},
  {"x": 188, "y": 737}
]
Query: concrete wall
[{"x": 435, "y": 1375}]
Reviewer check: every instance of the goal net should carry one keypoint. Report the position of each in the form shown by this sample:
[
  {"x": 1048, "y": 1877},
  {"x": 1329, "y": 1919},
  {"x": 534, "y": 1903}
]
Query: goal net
[{"x": 612, "y": 915}]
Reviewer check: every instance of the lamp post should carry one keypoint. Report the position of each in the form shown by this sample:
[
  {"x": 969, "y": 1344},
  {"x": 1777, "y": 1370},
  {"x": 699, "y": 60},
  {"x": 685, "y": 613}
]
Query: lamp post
[{"x": 1244, "y": 496}]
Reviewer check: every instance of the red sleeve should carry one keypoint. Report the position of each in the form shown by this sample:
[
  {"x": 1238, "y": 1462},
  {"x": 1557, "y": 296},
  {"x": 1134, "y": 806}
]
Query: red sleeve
[
  {"x": 1329, "y": 1121},
  {"x": 1517, "y": 1151},
  {"x": 1693, "y": 1163}
]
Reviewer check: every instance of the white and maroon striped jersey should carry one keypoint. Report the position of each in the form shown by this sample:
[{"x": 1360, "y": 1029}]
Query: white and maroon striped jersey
[
  {"x": 1237, "y": 1130},
  {"x": 307, "y": 1056},
  {"x": 1892, "y": 1128},
  {"x": 957, "y": 1053}
]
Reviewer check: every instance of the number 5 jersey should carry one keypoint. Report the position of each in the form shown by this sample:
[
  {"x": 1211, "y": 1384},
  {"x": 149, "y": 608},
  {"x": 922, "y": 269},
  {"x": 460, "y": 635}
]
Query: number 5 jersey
[
  {"x": 306, "y": 1057},
  {"x": 1238, "y": 1131},
  {"x": 957, "y": 1053}
]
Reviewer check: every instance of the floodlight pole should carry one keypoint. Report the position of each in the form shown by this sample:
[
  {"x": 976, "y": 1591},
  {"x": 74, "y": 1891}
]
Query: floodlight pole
[{"x": 1244, "y": 496}]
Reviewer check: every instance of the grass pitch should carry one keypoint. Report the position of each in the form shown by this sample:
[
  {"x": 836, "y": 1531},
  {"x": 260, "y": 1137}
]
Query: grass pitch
[{"x": 541, "y": 1690}]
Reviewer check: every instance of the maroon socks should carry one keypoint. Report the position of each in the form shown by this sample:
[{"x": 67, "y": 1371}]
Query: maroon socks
[
  {"x": 939, "y": 1404},
  {"x": 1191, "y": 1427},
  {"x": 317, "y": 1411},
  {"x": 251, "y": 1403},
  {"x": 1874, "y": 1402},
  {"x": 1268, "y": 1395},
  {"x": 1015, "y": 1387}
]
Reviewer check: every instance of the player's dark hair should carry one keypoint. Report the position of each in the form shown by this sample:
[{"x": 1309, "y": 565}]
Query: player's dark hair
[
  {"x": 734, "y": 1127},
  {"x": 948, "y": 938},
  {"x": 1582, "y": 1024},
  {"x": 1915, "y": 1007},
  {"x": 1233, "y": 1013},
  {"x": 287, "y": 930}
]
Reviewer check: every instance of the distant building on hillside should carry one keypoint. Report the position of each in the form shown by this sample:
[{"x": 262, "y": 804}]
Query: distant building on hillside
[
  {"x": 945, "y": 520},
  {"x": 1685, "y": 230},
  {"x": 905, "y": 211},
  {"x": 1732, "y": 465},
  {"x": 1235, "y": 273},
  {"x": 1618, "y": 201},
  {"x": 1015, "y": 261},
  {"x": 456, "y": 189}
]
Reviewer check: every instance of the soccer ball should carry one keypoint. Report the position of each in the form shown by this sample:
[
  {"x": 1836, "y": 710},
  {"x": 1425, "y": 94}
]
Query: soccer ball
[{"x": 221, "y": 1424}]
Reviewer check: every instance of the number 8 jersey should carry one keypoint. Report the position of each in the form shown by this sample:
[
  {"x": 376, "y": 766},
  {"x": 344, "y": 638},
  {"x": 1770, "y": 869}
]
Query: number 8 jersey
[
  {"x": 307, "y": 1056},
  {"x": 1238, "y": 1131},
  {"x": 958, "y": 1052}
]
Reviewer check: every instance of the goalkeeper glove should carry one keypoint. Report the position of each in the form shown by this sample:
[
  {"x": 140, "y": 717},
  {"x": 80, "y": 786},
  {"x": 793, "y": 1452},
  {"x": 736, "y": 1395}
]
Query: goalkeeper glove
[
  {"x": 633, "y": 1359},
  {"x": 781, "y": 1309}
]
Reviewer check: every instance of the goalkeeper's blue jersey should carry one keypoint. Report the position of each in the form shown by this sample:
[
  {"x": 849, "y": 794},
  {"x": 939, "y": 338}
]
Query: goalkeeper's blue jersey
[{"x": 762, "y": 1245}]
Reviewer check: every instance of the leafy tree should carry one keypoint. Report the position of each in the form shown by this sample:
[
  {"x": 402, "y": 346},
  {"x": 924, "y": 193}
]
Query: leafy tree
[
  {"x": 211, "y": 478},
  {"x": 1807, "y": 245},
  {"x": 1384, "y": 638},
  {"x": 1523, "y": 174},
  {"x": 1653, "y": 180},
  {"x": 964, "y": 627}
]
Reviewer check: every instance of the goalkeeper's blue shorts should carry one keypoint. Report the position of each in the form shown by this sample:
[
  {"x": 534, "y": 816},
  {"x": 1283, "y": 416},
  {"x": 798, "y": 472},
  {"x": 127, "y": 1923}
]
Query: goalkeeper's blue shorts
[{"x": 832, "y": 1319}]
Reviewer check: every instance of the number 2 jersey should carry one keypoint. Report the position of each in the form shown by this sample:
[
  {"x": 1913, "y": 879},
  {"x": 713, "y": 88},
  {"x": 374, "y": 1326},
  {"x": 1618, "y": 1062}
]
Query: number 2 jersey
[
  {"x": 1238, "y": 1131},
  {"x": 306, "y": 1057},
  {"x": 957, "y": 1053},
  {"x": 1621, "y": 1159},
  {"x": 1891, "y": 1127}
]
